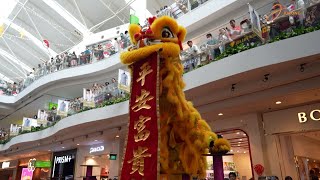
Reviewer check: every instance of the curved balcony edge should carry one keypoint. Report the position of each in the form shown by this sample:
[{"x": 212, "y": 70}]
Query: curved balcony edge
[
  {"x": 259, "y": 57},
  {"x": 264, "y": 56},
  {"x": 79, "y": 71},
  {"x": 70, "y": 121}
]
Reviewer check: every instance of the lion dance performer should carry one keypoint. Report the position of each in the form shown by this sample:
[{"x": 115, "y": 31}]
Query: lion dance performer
[{"x": 183, "y": 135}]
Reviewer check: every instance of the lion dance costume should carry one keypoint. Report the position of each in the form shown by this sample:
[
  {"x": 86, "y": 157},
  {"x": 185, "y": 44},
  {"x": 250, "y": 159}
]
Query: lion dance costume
[{"x": 184, "y": 135}]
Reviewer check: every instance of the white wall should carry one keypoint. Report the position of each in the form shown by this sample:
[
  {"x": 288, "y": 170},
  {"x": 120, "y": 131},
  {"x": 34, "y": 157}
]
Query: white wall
[{"x": 243, "y": 165}]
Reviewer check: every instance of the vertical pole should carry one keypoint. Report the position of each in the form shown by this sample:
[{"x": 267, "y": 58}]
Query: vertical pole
[
  {"x": 218, "y": 167},
  {"x": 189, "y": 5},
  {"x": 186, "y": 177}
]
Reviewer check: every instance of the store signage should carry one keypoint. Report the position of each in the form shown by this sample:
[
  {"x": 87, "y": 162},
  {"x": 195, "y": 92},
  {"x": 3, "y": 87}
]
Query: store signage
[
  {"x": 113, "y": 157},
  {"x": 96, "y": 149},
  {"x": 31, "y": 164},
  {"x": 62, "y": 159},
  {"x": 313, "y": 115},
  {"x": 26, "y": 174},
  {"x": 43, "y": 164},
  {"x": 5, "y": 165}
]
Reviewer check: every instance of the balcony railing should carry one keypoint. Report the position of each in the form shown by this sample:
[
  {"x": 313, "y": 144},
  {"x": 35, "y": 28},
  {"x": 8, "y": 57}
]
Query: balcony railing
[{"x": 308, "y": 23}]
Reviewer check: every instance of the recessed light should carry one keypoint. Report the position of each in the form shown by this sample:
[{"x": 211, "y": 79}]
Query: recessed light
[
  {"x": 49, "y": 150},
  {"x": 78, "y": 144},
  {"x": 308, "y": 160},
  {"x": 95, "y": 140},
  {"x": 238, "y": 133},
  {"x": 220, "y": 114},
  {"x": 62, "y": 147},
  {"x": 244, "y": 152},
  {"x": 240, "y": 139},
  {"x": 244, "y": 134},
  {"x": 231, "y": 150},
  {"x": 314, "y": 160},
  {"x": 237, "y": 151},
  {"x": 278, "y": 102},
  {"x": 238, "y": 144},
  {"x": 117, "y": 136},
  {"x": 92, "y": 157}
]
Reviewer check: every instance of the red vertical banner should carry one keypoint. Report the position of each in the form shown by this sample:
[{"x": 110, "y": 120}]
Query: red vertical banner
[{"x": 141, "y": 159}]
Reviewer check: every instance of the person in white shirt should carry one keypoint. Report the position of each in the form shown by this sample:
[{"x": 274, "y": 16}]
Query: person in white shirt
[
  {"x": 116, "y": 45},
  {"x": 194, "y": 52}
]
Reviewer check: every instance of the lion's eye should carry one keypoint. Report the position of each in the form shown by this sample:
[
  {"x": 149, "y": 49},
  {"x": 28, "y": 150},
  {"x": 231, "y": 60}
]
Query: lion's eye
[{"x": 166, "y": 33}]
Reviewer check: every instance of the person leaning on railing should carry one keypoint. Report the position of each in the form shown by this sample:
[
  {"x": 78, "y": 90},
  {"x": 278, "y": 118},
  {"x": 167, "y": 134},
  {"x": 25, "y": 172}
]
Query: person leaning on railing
[
  {"x": 194, "y": 52},
  {"x": 211, "y": 42}
]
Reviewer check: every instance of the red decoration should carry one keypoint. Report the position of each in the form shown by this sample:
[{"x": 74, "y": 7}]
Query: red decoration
[
  {"x": 142, "y": 151},
  {"x": 259, "y": 169},
  {"x": 46, "y": 42}
]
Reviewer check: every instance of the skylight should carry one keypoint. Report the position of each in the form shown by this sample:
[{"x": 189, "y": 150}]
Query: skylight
[
  {"x": 6, "y": 7},
  {"x": 140, "y": 8},
  {"x": 67, "y": 16}
]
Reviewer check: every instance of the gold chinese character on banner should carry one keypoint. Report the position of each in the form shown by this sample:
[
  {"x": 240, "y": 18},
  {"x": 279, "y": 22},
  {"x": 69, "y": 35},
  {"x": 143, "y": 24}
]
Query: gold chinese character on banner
[
  {"x": 141, "y": 101},
  {"x": 145, "y": 70},
  {"x": 140, "y": 126},
  {"x": 142, "y": 136},
  {"x": 138, "y": 160}
]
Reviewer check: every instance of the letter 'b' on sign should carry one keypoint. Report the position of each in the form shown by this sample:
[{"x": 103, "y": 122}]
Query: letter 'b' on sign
[{"x": 302, "y": 117}]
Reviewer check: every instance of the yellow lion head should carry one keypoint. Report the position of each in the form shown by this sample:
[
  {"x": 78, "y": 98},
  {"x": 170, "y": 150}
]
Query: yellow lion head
[{"x": 164, "y": 33}]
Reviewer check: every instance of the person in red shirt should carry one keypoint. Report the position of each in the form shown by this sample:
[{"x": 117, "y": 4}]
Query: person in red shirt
[{"x": 235, "y": 31}]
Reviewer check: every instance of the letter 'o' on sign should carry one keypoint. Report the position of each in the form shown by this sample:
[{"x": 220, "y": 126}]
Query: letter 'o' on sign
[{"x": 315, "y": 115}]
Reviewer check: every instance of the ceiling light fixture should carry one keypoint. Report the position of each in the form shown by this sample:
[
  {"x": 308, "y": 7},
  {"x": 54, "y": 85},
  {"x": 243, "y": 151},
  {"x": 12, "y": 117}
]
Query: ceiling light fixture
[
  {"x": 117, "y": 136},
  {"x": 238, "y": 151},
  {"x": 244, "y": 134},
  {"x": 238, "y": 133},
  {"x": 78, "y": 144},
  {"x": 278, "y": 102},
  {"x": 62, "y": 147},
  {"x": 302, "y": 67},
  {"x": 238, "y": 144},
  {"x": 240, "y": 139},
  {"x": 95, "y": 140},
  {"x": 266, "y": 77},
  {"x": 233, "y": 87},
  {"x": 244, "y": 152},
  {"x": 220, "y": 114}
]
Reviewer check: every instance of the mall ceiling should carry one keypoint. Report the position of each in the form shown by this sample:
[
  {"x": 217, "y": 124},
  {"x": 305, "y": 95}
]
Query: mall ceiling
[{"x": 63, "y": 23}]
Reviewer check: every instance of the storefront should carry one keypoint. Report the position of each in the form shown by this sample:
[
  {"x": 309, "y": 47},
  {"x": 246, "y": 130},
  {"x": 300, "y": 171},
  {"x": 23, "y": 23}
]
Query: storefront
[
  {"x": 63, "y": 165},
  {"x": 293, "y": 138},
  {"x": 100, "y": 161},
  {"x": 239, "y": 158},
  {"x": 37, "y": 167},
  {"x": 8, "y": 169}
]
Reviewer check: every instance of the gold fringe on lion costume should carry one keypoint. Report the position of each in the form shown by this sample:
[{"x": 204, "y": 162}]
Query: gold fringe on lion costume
[{"x": 185, "y": 136}]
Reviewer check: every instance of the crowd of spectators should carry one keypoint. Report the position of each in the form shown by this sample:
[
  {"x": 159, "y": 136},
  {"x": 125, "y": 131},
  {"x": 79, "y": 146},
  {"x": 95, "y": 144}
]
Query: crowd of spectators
[
  {"x": 215, "y": 45},
  {"x": 101, "y": 93},
  {"x": 66, "y": 60},
  {"x": 192, "y": 57}
]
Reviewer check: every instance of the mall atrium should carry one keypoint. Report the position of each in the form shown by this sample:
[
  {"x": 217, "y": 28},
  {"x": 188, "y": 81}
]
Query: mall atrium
[{"x": 99, "y": 89}]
